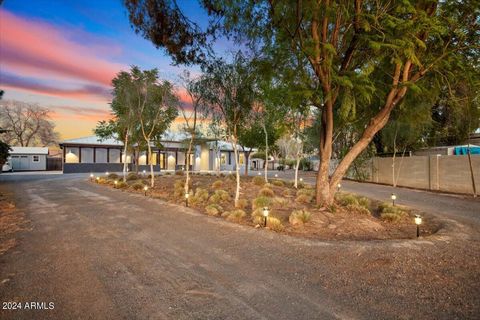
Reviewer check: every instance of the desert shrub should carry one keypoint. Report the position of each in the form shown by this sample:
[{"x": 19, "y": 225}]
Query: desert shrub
[
  {"x": 137, "y": 186},
  {"x": 304, "y": 199},
  {"x": 280, "y": 202},
  {"x": 213, "y": 209},
  {"x": 258, "y": 181},
  {"x": 266, "y": 192},
  {"x": 364, "y": 202},
  {"x": 346, "y": 199},
  {"x": 275, "y": 224},
  {"x": 231, "y": 176},
  {"x": 179, "y": 184},
  {"x": 113, "y": 176},
  {"x": 261, "y": 202},
  {"x": 167, "y": 173},
  {"x": 234, "y": 215},
  {"x": 217, "y": 184},
  {"x": 390, "y": 217},
  {"x": 220, "y": 196},
  {"x": 299, "y": 217},
  {"x": 278, "y": 183},
  {"x": 358, "y": 209},
  {"x": 145, "y": 182},
  {"x": 307, "y": 192},
  {"x": 391, "y": 213},
  {"x": 221, "y": 175},
  {"x": 286, "y": 193},
  {"x": 122, "y": 185},
  {"x": 242, "y": 203},
  {"x": 102, "y": 181},
  {"x": 200, "y": 196},
  {"x": 132, "y": 176}
]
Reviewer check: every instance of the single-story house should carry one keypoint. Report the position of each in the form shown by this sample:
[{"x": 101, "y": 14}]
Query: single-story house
[
  {"x": 28, "y": 159},
  {"x": 92, "y": 154}
]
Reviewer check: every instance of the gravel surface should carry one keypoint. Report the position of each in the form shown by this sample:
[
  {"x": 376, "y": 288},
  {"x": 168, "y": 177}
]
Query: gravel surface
[{"x": 98, "y": 253}]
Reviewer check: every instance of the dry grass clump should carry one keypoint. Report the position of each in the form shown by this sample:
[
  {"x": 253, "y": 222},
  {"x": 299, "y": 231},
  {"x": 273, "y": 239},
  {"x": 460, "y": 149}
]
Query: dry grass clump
[
  {"x": 235, "y": 215},
  {"x": 200, "y": 196},
  {"x": 299, "y": 217},
  {"x": 179, "y": 173},
  {"x": 303, "y": 199},
  {"x": 286, "y": 193},
  {"x": 390, "y": 213},
  {"x": 220, "y": 196},
  {"x": 358, "y": 209},
  {"x": 113, "y": 176},
  {"x": 122, "y": 185},
  {"x": 137, "y": 186},
  {"x": 257, "y": 216},
  {"x": 275, "y": 224},
  {"x": 266, "y": 192},
  {"x": 132, "y": 176},
  {"x": 280, "y": 202},
  {"x": 217, "y": 184},
  {"x": 232, "y": 177},
  {"x": 307, "y": 192},
  {"x": 258, "y": 181},
  {"x": 278, "y": 183},
  {"x": 354, "y": 203},
  {"x": 261, "y": 202},
  {"x": 242, "y": 203},
  {"x": 213, "y": 209}
]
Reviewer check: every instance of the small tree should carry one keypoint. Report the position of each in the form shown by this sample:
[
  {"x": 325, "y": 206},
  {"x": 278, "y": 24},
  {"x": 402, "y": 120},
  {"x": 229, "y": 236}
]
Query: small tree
[{"x": 4, "y": 153}]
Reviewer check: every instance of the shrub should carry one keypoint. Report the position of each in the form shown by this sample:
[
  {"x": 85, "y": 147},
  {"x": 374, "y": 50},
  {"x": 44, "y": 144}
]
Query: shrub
[
  {"x": 280, "y": 202},
  {"x": 261, "y": 202},
  {"x": 113, "y": 176},
  {"x": 390, "y": 217},
  {"x": 364, "y": 202},
  {"x": 200, "y": 196},
  {"x": 231, "y": 176},
  {"x": 358, "y": 209},
  {"x": 217, "y": 184},
  {"x": 222, "y": 175},
  {"x": 391, "y": 213},
  {"x": 286, "y": 193},
  {"x": 122, "y": 185},
  {"x": 275, "y": 224},
  {"x": 242, "y": 203},
  {"x": 132, "y": 176},
  {"x": 299, "y": 217},
  {"x": 346, "y": 199},
  {"x": 234, "y": 215},
  {"x": 258, "y": 181},
  {"x": 266, "y": 192},
  {"x": 307, "y": 192},
  {"x": 179, "y": 172},
  {"x": 257, "y": 216},
  {"x": 304, "y": 199},
  {"x": 138, "y": 186},
  {"x": 213, "y": 209},
  {"x": 278, "y": 183},
  {"x": 219, "y": 196}
]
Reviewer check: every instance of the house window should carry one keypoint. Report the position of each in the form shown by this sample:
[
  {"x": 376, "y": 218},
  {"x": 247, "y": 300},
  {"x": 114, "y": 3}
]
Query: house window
[
  {"x": 241, "y": 160},
  {"x": 36, "y": 159},
  {"x": 223, "y": 158}
]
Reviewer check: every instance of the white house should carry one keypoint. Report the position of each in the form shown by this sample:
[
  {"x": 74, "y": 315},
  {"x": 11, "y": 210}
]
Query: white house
[{"x": 28, "y": 159}]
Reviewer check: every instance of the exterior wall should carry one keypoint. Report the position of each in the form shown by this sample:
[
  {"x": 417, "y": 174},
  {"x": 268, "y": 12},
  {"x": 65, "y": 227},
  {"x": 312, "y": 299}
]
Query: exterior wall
[
  {"x": 102, "y": 167},
  {"x": 442, "y": 173},
  {"x": 24, "y": 162},
  {"x": 204, "y": 157}
]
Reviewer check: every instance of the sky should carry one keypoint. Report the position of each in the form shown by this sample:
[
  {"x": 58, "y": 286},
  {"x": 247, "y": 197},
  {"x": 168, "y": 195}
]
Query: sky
[{"x": 63, "y": 55}]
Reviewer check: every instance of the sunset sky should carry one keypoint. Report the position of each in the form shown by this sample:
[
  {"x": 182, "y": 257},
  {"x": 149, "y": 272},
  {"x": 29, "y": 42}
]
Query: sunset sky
[{"x": 63, "y": 55}]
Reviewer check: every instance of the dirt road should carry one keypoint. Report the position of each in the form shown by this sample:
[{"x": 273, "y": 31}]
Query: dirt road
[{"x": 98, "y": 253}]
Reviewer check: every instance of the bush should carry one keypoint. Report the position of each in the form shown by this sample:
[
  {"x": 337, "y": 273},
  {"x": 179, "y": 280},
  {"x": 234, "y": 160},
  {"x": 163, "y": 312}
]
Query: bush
[
  {"x": 390, "y": 217},
  {"x": 113, "y": 176},
  {"x": 391, "y": 213},
  {"x": 275, "y": 224},
  {"x": 220, "y": 196},
  {"x": 266, "y": 192},
  {"x": 138, "y": 186},
  {"x": 364, "y": 202},
  {"x": 132, "y": 176},
  {"x": 299, "y": 217},
  {"x": 235, "y": 215},
  {"x": 242, "y": 203},
  {"x": 200, "y": 196},
  {"x": 179, "y": 172},
  {"x": 280, "y": 202},
  {"x": 286, "y": 193},
  {"x": 358, "y": 209},
  {"x": 346, "y": 199},
  {"x": 232, "y": 177},
  {"x": 217, "y": 184},
  {"x": 258, "y": 181},
  {"x": 122, "y": 185},
  {"x": 261, "y": 202},
  {"x": 213, "y": 209},
  {"x": 278, "y": 183},
  {"x": 257, "y": 216},
  {"x": 307, "y": 192},
  {"x": 304, "y": 199}
]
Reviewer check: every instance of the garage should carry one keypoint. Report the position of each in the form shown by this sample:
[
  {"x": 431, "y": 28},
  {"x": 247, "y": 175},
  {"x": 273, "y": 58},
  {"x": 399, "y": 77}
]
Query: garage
[{"x": 28, "y": 158}]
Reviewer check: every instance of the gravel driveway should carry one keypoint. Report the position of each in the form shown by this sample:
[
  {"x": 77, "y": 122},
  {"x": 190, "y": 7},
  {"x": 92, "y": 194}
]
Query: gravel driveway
[{"x": 98, "y": 253}]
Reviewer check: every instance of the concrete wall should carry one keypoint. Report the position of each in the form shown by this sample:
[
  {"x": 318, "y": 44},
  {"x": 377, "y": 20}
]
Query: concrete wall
[
  {"x": 442, "y": 173},
  {"x": 103, "y": 167}
]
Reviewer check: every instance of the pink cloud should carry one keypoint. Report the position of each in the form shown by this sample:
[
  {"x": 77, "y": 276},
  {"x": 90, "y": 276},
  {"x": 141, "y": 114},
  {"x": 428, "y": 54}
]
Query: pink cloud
[
  {"x": 41, "y": 49},
  {"x": 79, "y": 113}
]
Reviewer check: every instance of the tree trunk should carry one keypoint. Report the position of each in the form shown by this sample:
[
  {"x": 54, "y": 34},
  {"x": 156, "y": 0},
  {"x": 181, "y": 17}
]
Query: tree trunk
[
  {"x": 471, "y": 172},
  {"x": 125, "y": 159},
  {"x": 152, "y": 179},
  {"x": 237, "y": 170},
  {"x": 187, "y": 179},
  {"x": 297, "y": 164},
  {"x": 266, "y": 152}
]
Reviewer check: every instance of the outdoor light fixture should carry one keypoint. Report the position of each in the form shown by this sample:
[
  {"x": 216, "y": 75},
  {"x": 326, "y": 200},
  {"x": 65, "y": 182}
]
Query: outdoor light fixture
[
  {"x": 92, "y": 176},
  {"x": 393, "y": 197},
  {"x": 265, "y": 215},
  {"x": 229, "y": 172},
  {"x": 339, "y": 186},
  {"x": 418, "y": 222},
  {"x": 115, "y": 183},
  {"x": 145, "y": 189},
  {"x": 106, "y": 173},
  {"x": 186, "y": 198},
  {"x": 276, "y": 175},
  {"x": 259, "y": 173},
  {"x": 301, "y": 179},
  {"x": 98, "y": 179},
  {"x": 144, "y": 172}
]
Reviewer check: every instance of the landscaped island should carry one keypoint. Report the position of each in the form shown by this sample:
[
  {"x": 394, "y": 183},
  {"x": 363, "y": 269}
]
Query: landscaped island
[{"x": 289, "y": 210}]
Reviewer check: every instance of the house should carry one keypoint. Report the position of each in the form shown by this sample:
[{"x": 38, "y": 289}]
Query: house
[
  {"x": 28, "y": 159},
  {"x": 92, "y": 154}
]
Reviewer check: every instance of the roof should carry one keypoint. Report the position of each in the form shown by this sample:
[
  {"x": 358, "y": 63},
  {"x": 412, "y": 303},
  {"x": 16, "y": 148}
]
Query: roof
[
  {"x": 29, "y": 150},
  {"x": 93, "y": 140}
]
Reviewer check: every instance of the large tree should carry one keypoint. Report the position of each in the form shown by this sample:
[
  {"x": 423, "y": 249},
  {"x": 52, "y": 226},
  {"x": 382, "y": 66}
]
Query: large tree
[{"x": 26, "y": 124}]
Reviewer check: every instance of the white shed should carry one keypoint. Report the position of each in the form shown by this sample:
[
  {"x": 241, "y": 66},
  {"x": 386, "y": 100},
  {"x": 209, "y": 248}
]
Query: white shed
[{"x": 28, "y": 158}]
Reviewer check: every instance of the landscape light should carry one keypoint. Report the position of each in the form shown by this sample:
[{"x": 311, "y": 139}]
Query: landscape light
[
  {"x": 92, "y": 176},
  {"x": 98, "y": 179},
  {"x": 301, "y": 179},
  {"x": 145, "y": 189},
  {"x": 106, "y": 173},
  {"x": 186, "y": 198},
  {"x": 418, "y": 222},
  {"x": 259, "y": 173},
  {"x": 115, "y": 183},
  {"x": 265, "y": 215},
  {"x": 229, "y": 172},
  {"x": 144, "y": 171},
  {"x": 339, "y": 186},
  {"x": 393, "y": 197},
  {"x": 276, "y": 175}
]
